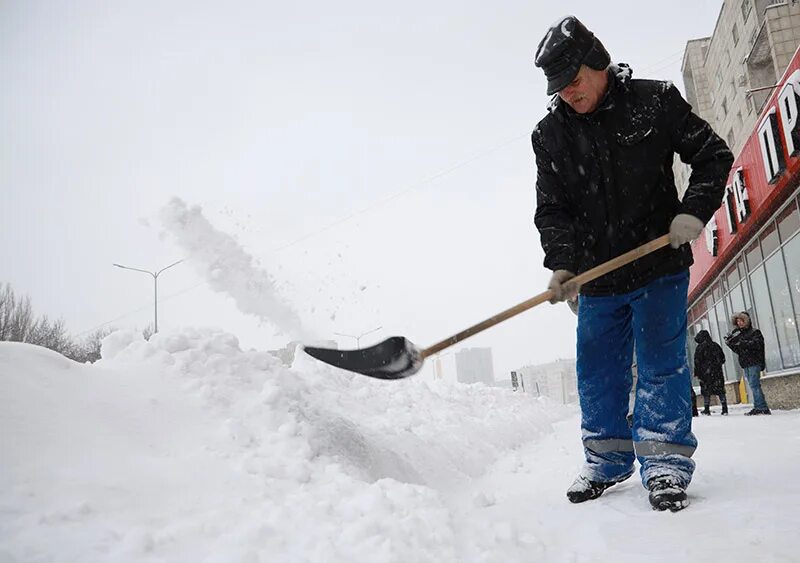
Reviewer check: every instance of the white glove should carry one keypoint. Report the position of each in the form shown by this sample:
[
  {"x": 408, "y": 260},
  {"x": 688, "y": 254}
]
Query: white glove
[
  {"x": 561, "y": 288},
  {"x": 684, "y": 228},
  {"x": 573, "y": 305}
]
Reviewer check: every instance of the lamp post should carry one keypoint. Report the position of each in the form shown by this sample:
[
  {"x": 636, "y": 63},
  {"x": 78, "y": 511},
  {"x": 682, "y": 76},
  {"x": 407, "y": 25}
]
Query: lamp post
[
  {"x": 155, "y": 285},
  {"x": 358, "y": 338}
]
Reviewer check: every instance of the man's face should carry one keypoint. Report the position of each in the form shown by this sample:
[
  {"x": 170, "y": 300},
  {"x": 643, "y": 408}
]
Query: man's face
[{"x": 586, "y": 90}]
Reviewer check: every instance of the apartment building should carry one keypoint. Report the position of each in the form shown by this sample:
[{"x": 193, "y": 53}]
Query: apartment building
[
  {"x": 729, "y": 76},
  {"x": 475, "y": 365}
]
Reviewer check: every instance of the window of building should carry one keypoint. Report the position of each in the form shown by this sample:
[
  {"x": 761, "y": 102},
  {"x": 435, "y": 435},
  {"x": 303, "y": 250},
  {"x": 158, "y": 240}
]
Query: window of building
[
  {"x": 764, "y": 319},
  {"x": 785, "y": 322},
  {"x": 791, "y": 254},
  {"x": 713, "y": 325},
  {"x": 769, "y": 239},
  {"x": 753, "y": 254},
  {"x": 716, "y": 291},
  {"x": 788, "y": 222},
  {"x": 735, "y": 34},
  {"x": 732, "y": 275},
  {"x": 735, "y": 304},
  {"x": 747, "y": 5},
  {"x": 709, "y": 302},
  {"x": 736, "y": 299}
]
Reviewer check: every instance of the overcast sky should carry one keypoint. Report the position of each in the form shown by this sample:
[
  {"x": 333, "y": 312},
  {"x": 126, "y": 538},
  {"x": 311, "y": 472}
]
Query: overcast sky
[{"x": 374, "y": 157}]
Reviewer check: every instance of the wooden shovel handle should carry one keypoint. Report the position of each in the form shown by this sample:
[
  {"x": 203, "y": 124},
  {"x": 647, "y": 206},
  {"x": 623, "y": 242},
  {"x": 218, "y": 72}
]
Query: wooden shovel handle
[{"x": 585, "y": 277}]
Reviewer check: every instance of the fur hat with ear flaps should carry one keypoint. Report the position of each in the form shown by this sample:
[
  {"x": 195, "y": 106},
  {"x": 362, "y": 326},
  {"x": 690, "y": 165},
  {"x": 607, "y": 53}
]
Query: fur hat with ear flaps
[{"x": 744, "y": 316}]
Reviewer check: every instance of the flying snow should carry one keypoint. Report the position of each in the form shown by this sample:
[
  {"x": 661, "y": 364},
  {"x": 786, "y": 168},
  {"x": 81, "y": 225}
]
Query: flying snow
[{"x": 228, "y": 268}]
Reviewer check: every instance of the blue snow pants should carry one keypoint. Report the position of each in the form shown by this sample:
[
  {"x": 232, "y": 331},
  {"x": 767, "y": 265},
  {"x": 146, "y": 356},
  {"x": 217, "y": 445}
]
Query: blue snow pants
[{"x": 653, "y": 318}]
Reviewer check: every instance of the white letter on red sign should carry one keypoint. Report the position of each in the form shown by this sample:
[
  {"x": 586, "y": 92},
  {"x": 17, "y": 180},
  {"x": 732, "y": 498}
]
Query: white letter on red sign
[
  {"x": 727, "y": 202},
  {"x": 771, "y": 149},
  {"x": 788, "y": 102},
  {"x": 740, "y": 194},
  {"x": 711, "y": 236}
]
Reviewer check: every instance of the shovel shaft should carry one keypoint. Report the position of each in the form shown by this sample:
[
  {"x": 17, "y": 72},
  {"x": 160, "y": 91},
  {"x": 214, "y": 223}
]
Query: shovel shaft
[{"x": 585, "y": 277}]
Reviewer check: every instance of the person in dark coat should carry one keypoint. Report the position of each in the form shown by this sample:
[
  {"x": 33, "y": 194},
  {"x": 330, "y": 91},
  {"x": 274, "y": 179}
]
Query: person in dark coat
[
  {"x": 748, "y": 343},
  {"x": 708, "y": 361},
  {"x": 604, "y": 185}
]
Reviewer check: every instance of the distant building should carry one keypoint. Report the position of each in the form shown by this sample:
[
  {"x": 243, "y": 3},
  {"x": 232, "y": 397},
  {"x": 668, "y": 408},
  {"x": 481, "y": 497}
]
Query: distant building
[
  {"x": 557, "y": 380},
  {"x": 475, "y": 365}
]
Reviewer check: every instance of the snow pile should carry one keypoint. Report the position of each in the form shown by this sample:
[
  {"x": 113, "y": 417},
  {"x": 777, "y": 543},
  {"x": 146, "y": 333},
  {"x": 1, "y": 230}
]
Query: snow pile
[
  {"x": 186, "y": 448},
  {"x": 228, "y": 268}
]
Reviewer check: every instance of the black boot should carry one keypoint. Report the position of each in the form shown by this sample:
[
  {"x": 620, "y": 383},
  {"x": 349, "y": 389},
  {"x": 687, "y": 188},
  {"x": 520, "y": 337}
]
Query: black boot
[
  {"x": 582, "y": 489},
  {"x": 707, "y": 411},
  {"x": 667, "y": 494}
]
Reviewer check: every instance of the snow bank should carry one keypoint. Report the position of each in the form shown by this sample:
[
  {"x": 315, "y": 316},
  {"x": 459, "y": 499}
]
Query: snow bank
[{"x": 187, "y": 448}]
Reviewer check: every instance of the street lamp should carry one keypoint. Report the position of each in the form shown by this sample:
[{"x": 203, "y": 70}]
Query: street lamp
[
  {"x": 358, "y": 338},
  {"x": 155, "y": 284}
]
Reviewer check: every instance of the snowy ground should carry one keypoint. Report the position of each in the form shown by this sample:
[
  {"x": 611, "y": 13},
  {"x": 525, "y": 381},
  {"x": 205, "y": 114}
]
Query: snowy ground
[{"x": 186, "y": 448}]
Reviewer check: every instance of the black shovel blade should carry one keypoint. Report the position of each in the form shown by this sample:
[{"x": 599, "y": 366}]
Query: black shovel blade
[{"x": 394, "y": 358}]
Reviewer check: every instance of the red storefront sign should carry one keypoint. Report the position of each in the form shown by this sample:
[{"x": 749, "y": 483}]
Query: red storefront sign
[{"x": 762, "y": 177}]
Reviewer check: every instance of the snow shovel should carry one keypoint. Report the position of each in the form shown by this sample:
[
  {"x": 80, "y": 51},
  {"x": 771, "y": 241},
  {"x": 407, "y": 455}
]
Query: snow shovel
[{"x": 396, "y": 357}]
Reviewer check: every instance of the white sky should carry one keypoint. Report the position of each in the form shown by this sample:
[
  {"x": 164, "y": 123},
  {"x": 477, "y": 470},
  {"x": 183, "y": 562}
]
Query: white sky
[{"x": 282, "y": 119}]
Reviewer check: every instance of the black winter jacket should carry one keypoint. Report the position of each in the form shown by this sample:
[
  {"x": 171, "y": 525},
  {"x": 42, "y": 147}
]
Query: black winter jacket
[
  {"x": 708, "y": 360},
  {"x": 605, "y": 184},
  {"x": 748, "y": 344}
]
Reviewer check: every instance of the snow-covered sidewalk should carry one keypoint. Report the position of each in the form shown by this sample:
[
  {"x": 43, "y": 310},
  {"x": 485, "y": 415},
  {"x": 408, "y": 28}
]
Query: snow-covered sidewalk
[
  {"x": 745, "y": 500},
  {"x": 187, "y": 448}
]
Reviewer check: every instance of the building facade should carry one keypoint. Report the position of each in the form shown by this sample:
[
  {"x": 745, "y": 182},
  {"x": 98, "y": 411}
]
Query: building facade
[
  {"x": 556, "y": 380},
  {"x": 749, "y": 256},
  {"x": 475, "y": 365}
]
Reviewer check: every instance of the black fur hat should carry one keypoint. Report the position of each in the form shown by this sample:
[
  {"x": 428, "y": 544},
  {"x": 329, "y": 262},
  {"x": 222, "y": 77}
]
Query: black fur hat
[{"x": 566, "y": 46}]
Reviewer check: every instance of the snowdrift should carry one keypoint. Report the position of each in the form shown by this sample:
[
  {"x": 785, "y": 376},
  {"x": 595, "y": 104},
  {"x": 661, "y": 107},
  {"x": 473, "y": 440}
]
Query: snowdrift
[{"x": 187, "y": 448}]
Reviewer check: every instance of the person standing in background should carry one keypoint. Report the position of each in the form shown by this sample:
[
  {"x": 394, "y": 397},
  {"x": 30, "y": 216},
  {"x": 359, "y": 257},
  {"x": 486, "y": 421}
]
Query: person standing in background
[
  {"x": 748, "y": 343},
  {"x": 708, "y": 361}
]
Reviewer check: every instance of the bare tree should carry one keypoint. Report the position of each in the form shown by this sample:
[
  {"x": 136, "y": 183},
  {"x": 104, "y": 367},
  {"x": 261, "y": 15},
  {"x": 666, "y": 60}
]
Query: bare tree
[
  {"x": 18, "y": 324},
  {"x": 52, "y": 335},
  {"x": 89, "y": 349},
  {"x": 16, "y": 316}
]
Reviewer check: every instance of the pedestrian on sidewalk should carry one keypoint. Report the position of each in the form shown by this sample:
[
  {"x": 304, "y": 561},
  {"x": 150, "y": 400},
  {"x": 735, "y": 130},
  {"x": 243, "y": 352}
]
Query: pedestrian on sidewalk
[
  {"x": 748, "y": 343},
  {"x": 694, "y": 402},
  {"x": 605, "y": 186},
  {"x": 708, "y": 361}
]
